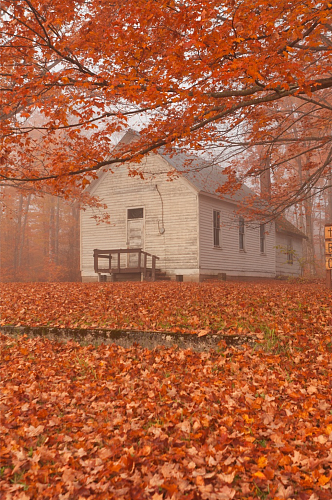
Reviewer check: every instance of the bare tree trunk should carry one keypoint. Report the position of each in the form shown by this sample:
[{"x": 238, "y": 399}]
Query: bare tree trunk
[
  {"x": 18, "y": 235},
  {"x": 307, "y": 207},
  {"x": 56, "y": 232},
  {"x": 22, "y": 239},
  {"x": 45, "y": 230},
  {"x": 265, "y": 180},
  {"x": 73, "y": 255},
  {"x": 301, "y": 207},
  {"x": 51, "y": 231},
  {"x": 329, "y": 200},
  {"x": 311, "y": 258}
]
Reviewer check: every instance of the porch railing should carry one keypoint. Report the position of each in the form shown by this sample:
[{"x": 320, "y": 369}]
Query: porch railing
[{"x": 125, "y": 261}]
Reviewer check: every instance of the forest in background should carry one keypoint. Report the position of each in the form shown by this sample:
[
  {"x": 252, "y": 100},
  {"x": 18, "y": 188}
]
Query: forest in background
[
  {"x": 40, "y": 235},
  {"x": 39, "y": 238},
  {"x": 255, "y": 96}
]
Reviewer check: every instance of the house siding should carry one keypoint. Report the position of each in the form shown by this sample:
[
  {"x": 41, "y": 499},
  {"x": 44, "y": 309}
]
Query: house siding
[
  {"x": 229, "y": 258},
  {"x": 186, "y": 245},
  {"x": 283, "y": 268},
  {"x": 172, "y": 206}
]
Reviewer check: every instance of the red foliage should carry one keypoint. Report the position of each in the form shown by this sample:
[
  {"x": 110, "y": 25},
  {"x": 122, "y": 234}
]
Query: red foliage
[{"x": 190, "y": 73}]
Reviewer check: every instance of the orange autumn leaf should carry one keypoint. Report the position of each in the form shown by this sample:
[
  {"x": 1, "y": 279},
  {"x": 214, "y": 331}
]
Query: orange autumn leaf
[
  {"x": 323, "y": 480},
  {"x": 259, "y": 474},
  {"x": 166, "y": 422},
  {"x": 262, "y": 462}
]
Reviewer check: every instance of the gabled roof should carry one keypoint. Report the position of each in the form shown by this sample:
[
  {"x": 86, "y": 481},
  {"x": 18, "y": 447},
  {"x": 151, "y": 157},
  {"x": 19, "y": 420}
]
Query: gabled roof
[
  {"x": 129, "y": 136},
  {"x": 284, "y": 226},
  {"x": 205, "y": 177}
]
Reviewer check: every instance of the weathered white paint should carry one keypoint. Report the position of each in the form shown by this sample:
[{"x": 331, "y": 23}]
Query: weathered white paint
[
  {"x": 177, "y": 227},
  {"x": 135, "y": 238},
  {"x": 170, "y": 215},
  {"x": 228, "y": 258},
  {"x": 283, "y": 267}
]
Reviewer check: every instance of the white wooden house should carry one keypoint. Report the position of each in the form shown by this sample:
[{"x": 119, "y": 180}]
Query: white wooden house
[{"x": 180, "y": 219}]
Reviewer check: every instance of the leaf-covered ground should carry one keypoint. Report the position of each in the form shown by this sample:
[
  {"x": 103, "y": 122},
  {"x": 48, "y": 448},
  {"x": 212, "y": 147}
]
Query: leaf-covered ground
[
  {"x": 108, "y": 422},
  {"x": 184, "y": 307}
]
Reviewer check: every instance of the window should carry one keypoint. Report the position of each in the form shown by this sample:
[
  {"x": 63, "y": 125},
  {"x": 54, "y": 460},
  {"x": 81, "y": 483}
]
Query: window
[
  {"x": 216, "y": 228},
  {"x": 290, "y": 252},
  {"x": 262, "y": 237},
  {"x": 241, "y": 233},
  {"x": 135, "y": 213}
]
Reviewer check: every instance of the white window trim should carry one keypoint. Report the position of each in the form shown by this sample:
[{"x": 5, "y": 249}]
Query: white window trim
[
  {"x": 290, "y": 254},
  {"x": 244, "y": 235}
]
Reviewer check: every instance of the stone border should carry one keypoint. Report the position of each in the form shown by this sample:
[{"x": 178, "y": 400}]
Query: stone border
[{"x": 127, "y": 338}]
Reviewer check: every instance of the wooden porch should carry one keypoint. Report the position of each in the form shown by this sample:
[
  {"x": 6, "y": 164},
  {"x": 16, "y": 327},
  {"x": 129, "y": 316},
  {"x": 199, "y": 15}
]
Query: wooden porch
[{"x": 121, "y": 263}]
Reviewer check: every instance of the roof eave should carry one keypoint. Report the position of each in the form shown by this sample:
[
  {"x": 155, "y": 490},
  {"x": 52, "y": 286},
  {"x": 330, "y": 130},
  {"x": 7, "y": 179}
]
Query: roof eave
[{"x": 291, "y": 233}]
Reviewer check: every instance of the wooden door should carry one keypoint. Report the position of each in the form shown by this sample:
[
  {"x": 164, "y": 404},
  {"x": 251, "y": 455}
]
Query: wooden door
[{"x": 135, "y": 234}]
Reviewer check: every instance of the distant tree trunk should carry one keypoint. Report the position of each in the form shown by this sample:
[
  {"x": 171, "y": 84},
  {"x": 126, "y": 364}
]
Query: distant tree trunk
[
  {"x": 329, "y": 200},
  {"x": 311, "y": 257},
  {"x": 46, "y": 229},
  {"x": 321, "y": 237},
  {"x": 56, "y": 232},
  {"x": 74, "y": 253},
  {"x": 265, "y": 180},
  {"x": 18, "y": 235},
  {"x": 51, "y": 231},
  {"x": 306, "y": 208},
  {"x": 23, "y": 231}
]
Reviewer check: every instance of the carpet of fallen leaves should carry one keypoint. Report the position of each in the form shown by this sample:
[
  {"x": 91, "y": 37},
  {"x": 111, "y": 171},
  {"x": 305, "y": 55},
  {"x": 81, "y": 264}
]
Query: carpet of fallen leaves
[
  {"x": 177, "y": 307},
  {"x": 107, "y": 422}
]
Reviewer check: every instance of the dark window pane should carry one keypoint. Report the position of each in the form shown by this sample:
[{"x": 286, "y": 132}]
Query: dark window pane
[
  {"x": 290, "y": 252},
  {"x": 241, "y": 233},
  {"x": 216, "y": 237},
  {"x": 216, "y": 219},
  {"x": 135, "y": 213},
  {"x": 262, "y": 237},
  {"x": 216, "y": 228},
  {"x": 241, "y": 225}
]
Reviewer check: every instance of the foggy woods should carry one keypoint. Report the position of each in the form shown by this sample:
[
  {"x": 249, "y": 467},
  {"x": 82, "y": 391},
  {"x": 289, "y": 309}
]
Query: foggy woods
[
  {"x": 254, "y": 97},
  {"x": 39, "y": 238}
]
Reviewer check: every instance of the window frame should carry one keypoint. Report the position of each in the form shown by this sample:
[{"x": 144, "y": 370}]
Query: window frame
[
  {"x": 216, "y": 228},
  {"x": 135, "y": 208},
  {"x": 262, "y": 238},
  {"x": 290, "y": 253},
  {"x": 241, "y": 234}
]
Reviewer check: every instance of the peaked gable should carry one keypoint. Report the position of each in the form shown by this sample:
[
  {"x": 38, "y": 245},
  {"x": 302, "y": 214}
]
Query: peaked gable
[
  {"x": 204, "y": 176},
  {"x": 283, "y": 225}
]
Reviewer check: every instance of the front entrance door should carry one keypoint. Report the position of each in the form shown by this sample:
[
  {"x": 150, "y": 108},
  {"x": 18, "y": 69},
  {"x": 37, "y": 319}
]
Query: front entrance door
[{"x": 135, "y": 233}]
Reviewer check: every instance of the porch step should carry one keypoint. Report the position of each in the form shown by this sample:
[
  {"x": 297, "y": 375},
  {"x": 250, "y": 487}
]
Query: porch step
[{"x": 159, "y": 275}]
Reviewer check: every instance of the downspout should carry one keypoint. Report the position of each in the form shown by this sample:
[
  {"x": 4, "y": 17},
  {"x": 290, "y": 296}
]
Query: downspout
[{"x": 161, "y": 228}]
